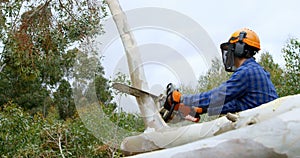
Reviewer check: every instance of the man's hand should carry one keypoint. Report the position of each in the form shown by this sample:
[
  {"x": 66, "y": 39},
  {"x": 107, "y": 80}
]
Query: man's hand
[
  {"x": 174, "y": 102},
  {"x": 190, "y": 113},
  {"x": 174, "y": 98}
]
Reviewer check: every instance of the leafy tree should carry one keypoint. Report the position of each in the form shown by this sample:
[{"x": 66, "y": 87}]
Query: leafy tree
[
  {"x": 36, "y": 38},
  {"x": 291, "y": 54},
  {"x": 24, "y": 135},
  {"x": 276, "y": 73},
  {"x": 64, "y": 98}
]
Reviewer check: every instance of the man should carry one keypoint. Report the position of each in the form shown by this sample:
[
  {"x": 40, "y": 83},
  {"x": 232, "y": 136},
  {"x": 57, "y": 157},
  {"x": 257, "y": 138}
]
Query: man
[{"x": 248, "y": 87}]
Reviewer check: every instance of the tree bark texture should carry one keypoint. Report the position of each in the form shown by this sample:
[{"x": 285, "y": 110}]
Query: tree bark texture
[
  {"x": 149, "y": 110},
  {"x": 270, "y": 130}
]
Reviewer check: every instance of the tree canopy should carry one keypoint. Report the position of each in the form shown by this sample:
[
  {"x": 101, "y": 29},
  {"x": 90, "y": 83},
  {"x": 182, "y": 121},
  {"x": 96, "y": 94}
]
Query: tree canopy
[{"x": 38, "y": 53}]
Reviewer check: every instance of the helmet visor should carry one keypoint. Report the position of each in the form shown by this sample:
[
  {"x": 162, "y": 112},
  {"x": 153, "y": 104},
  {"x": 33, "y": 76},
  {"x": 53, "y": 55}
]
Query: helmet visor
[{"x": 227, "y": 50}]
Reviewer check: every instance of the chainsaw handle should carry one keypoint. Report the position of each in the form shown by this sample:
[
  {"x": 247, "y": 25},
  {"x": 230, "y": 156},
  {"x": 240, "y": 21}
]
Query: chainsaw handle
[
  {"x": 170, "y": 88},
  {"x": 169, "y": 113},
  {"x": 173, "y": 98}
]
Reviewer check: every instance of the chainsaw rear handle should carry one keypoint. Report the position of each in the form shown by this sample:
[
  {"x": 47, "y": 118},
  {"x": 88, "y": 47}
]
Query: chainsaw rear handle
[
  {"x": 173, "y": 95},
  {"x": 167, "y": 116},
  {"x": 170, "y": 88}
]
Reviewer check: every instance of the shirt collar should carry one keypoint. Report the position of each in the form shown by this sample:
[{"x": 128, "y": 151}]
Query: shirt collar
[{"x": 248, "y": 61}]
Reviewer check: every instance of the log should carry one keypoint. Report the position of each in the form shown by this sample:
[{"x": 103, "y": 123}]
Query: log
[{"x": 268, "y": 130}]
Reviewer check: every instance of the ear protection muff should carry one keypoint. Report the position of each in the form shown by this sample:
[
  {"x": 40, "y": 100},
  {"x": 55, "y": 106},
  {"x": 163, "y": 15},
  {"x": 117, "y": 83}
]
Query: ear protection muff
[{"x": 239, "y": 50}]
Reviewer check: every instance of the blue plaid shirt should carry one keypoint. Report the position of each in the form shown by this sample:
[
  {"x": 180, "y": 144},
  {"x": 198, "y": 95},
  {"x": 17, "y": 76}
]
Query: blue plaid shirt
[{"x": 248, "y": 87}]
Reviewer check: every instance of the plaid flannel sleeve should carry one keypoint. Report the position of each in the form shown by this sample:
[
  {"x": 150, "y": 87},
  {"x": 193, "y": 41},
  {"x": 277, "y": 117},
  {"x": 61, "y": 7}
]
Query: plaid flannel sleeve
[{"x": 233, "y": 88}]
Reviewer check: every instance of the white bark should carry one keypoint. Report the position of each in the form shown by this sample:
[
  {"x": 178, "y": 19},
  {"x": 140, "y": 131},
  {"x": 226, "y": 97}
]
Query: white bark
[
  {"x": 271, "y": 130},
  {"x": 149, "y": 111}
]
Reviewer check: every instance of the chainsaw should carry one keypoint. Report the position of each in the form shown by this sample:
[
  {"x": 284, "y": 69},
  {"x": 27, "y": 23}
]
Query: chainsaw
[{"x": 167, "y": 108}]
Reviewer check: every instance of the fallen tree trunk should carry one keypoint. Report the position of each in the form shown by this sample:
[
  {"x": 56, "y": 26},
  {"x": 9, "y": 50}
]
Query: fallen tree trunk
[
  {"x": 268, "y": 130},
  {"x": 170, "y": 137}
]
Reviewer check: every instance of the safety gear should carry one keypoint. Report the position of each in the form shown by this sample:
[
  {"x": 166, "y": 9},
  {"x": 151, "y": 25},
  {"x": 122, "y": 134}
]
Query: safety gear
[
  {"x": 242, "y": 43},
  {"x": 246, "y": 36},
  {"x": 228, "y": 56}
]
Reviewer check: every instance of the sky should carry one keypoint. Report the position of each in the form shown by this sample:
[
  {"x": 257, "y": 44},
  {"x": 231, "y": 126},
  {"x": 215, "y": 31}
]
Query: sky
[
  {"x": 171, "y": 52},
  {"x": 273, "y": 21}
]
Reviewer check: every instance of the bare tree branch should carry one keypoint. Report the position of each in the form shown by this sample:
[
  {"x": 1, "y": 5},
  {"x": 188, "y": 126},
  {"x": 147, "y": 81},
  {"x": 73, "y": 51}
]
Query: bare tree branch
[
  {"x": 39, "y": 8},
  {"x": 59, "y": 145},
  {"x": 2, "y": 67},
  {"x": 61, "y": 5}
]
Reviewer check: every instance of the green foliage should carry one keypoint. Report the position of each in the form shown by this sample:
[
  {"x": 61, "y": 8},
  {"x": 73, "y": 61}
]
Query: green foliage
[
  {"x": 127, "y": 121},
  {"x": 276, "y": 73},
  {"x": 102, "y": 86},
  {"x": 291, "y": 54},
  {"x": 89, "y": 80},
  {"x": 23, "y": 135},
  {"x": 64, "y": 98},
  {"x": 37, "y": 37},
  {"x": 122, "y": 78},
  {"x": 286, "y": 80},
  {"x": 17, "y": 131}
]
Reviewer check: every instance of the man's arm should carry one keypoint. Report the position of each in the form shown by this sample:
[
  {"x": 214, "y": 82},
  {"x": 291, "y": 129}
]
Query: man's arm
[{"x": 235, "y": 87}]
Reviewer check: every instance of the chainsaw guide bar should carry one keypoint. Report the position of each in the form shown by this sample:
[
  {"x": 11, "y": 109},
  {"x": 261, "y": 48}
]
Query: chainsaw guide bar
[{"x": 133, "y": 91}]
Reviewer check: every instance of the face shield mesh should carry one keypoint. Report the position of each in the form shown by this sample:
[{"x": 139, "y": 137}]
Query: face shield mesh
[{"x": 227, "y": 50}]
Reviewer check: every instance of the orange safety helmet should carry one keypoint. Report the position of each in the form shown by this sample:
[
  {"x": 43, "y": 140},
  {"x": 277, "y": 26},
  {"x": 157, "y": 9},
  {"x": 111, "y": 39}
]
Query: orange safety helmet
[
  {"x": 250, "y": 38},
  {"x": 242, "y": 43}
]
